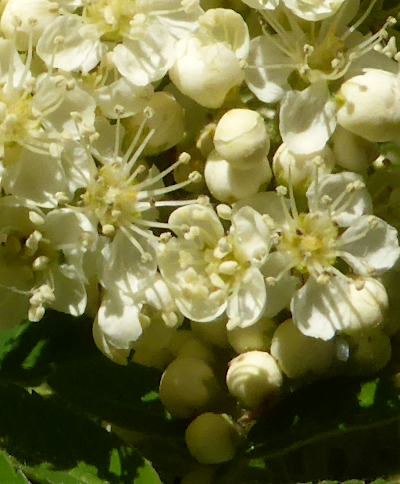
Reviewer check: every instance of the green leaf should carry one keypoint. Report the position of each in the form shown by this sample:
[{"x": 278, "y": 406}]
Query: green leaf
[
  {"x": 54, "y": 445},
  {"x": 335, "y": 429},
  {"x": 8, "y": 474}
]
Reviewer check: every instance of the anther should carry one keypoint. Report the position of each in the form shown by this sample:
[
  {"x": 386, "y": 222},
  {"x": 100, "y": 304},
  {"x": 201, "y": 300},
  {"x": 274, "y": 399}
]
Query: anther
[
  {"x": 281, "y": 190},
  {"x": 108, "y": 229},
  {"x": 224, "y": 211},
  {"x": 36, "y": 218}
]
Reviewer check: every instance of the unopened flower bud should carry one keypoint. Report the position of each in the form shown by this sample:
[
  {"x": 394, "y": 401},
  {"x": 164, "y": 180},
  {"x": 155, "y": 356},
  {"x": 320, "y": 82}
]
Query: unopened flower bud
[
  {"x": 298, "y": 354},
  {"x": 371, "y": 105},
  {"x": 253, "y": 378},
  {"x": 228, "y": 184},
  {"x": 188, "y": 386},
  {"x": 241, "y": 138},
  {"x": 212, "y": 438},
  {"x": 255, "y": 337},
  {"x": 369, "y": 351},
  {"x": 353, "y": 152}
]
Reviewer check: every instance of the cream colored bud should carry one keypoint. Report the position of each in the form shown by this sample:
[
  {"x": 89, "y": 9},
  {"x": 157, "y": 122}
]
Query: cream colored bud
[
  {"x": 228, "y": 184},
  {"x": 368, "y": 304},
  {"x": 371, "y": 105},
  {"x": 201, "y": 475},
  {"x": 212, "y": 438},
  {"x": 254, "y": 378},
  {"x": 188, "y": 386},
  {"x": 299, "y": 355},
  {"x": 353, "y": 152},
  {"x": 167, "y": 122},
  {"x": 241, "y": 138},
  {"x": 185, "y": 343},
  {"x": 370, "y": 351},
  {"x": 152, "y": 348},
  {"x": 258, "y": 336},
  {"x": 213, "y": 332},
  {"x": 206, "y": 72}
]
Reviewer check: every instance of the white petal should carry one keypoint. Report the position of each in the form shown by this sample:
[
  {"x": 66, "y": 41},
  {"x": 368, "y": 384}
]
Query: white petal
[
  {"x": 116, "y": 355},
  {"x": 37, "y": 177},
  {"x": 147, "y": 59},
  {"x": 78, "y": 165},
  {"x": 70, "y": 294},
  {"x": 307, "y": 119},
  {"x": 369, "y": 246},
  {"x": 347, "y": 205},
  {"x": 251, "y": 237},
  {"x": 123, "y": 267},
  {"x": 319, "y": 310},
  {"x": 201, "y": 218},
  {"x": 11, "y": 65},
  {"x": 118, "y": 320},
  {"x": 266, "y": 203},
  {"x": 80, "y": 49},
  {"x": 227, "y": 26},
  {"x": 74, "y": 100},
  {"x": 65, "y": 228},
  {"x": 312, "y": 11},
  {"x": 268, "y": 83},
  {"x": 123, "y": 93},
  {"x": 247, "y": 302},
  {"x": 172, "y": 14}
]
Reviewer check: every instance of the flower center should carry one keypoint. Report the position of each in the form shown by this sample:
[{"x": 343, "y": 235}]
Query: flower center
[
  {"x": 17, "y": 122},
  {"x": 112, "y": 196},
  {"x": 310, "y": 241},
  {"x": 112, "y": 17}
]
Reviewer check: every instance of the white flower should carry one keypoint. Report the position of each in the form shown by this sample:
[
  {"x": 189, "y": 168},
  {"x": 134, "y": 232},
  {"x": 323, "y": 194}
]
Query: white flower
[
  {"x": 41, "y": 258},
  {"x": 209, "y": 272},
  {"x": 25, "y": 20},
  {"x": 140, "y": 35},
  {"x": 338, "y": 225},
  {"x": 325, "y": 52}
]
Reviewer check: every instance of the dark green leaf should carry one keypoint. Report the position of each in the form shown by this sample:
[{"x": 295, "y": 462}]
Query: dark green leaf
[
  {"x": 54, "y": 445},
  {"x": 8, "y": 474}
]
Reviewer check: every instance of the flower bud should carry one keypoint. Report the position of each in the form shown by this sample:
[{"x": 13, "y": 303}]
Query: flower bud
[
  {"x": 185, "y": 343},
  {"x": 205, "y": 72},
  {"x": 188, "y": 386},
  {"x": 298, "y": 354},
  {"x": 212, "y": 438},
  {"x": 152, "y": 348},
  {"x": 241, "y": 138},
  {"x": 351, "y": 151},
  {"x": 213, "y": 332},
  {"x": 370, "y": 351},
  {"x": 167, "y": 121},
  {"x": 253, "y": 378},
  {"x": 255, "y": 337},
  {"x": 368, "y": 304},
  {"x": 228, "y": 184},
  {"x": 371, "y": 105},
  {"x": 200, "y": 475}
]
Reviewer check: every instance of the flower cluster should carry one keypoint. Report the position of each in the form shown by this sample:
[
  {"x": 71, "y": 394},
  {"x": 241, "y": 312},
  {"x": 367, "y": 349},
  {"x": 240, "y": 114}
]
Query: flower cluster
[{"x": 216, "y": 187}]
